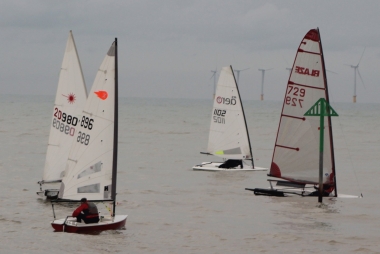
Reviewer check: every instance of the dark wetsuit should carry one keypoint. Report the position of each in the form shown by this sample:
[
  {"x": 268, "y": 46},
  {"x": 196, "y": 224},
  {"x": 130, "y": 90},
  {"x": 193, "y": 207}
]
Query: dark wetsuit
[
  {"x": 327, "y": 189},
  {"x": 231, "y": 164}
]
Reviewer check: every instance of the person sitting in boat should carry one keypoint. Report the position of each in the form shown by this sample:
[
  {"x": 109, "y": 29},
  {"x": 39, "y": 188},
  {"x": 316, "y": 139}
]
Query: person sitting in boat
[
  {"x": 328, "y": 187},
  {"x": 231, "y": 164},
  {"x": 87, "y": 211}
]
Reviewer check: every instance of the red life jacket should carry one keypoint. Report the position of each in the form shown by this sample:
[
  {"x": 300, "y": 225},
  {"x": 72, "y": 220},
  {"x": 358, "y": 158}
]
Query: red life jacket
[{"x": 88, "y": 208}]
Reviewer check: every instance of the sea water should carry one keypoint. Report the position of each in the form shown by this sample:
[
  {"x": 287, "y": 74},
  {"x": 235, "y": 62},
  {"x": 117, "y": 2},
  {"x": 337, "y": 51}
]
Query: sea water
[{"x": 173, "y": 209}]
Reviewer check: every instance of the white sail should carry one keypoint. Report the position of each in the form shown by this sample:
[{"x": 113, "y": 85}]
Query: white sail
[
  {"x": 228, "y": 136},
  {"x": 89, "y": 166},
  {"x": 296, "y": 151},
  {"x": 69, "y": 101}
]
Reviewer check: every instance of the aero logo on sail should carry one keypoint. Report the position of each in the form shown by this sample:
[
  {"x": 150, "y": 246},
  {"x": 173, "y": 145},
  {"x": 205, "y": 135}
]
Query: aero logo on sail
[
  {"x": 305, "y": 71},
  {"x": 102, "y": 94},
  {"x": 226, "y": 101}
]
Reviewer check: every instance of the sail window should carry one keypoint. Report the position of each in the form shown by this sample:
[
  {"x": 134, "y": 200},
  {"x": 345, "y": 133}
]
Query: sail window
[
  {"x": 93, "y": 188},
  {"x": 91, "y": 170}
]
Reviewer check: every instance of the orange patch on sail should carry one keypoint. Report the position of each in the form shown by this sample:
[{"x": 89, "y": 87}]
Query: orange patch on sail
[{"x": 102, "y": 94}]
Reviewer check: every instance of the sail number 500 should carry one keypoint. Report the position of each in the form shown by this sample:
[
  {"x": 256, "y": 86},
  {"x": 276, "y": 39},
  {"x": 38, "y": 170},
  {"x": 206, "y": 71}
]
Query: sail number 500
[{"x": 293, "y": 96}]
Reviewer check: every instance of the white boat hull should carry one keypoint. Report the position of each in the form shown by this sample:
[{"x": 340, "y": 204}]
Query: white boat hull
[{"x": 214, "y": 166}]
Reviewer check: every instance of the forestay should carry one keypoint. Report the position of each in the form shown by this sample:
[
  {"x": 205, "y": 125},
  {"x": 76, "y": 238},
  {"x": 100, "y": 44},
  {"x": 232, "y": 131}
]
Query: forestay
[
  {"x": 296, "y": 151},
  {"x": 228, "y": 136},
  {"x": 69, "y": 101},
  {"x": 89, "y": 166}
]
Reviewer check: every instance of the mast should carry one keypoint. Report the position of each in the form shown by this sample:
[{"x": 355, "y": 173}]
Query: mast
[
  {"x": 328, "y": 117},
  {"x": 245, "y": 122},
  {"x": 115, "y": 135}
]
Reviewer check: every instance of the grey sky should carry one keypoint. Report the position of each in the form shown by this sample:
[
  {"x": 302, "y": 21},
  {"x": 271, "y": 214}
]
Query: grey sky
[{"x": 168, "y": 48}]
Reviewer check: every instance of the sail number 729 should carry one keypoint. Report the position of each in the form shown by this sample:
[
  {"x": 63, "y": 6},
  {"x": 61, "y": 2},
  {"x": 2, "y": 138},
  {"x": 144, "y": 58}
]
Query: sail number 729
[{"x": 294, "y": 95}]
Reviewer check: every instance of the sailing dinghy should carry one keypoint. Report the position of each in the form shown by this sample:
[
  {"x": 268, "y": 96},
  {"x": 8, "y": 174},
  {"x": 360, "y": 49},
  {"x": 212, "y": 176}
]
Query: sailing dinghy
[
  {"x": 228, "y": 138},
  {"x": 303, "y": 155},
  {"x": 91, "y": 168},
  {"x": 69, "y": 101}
]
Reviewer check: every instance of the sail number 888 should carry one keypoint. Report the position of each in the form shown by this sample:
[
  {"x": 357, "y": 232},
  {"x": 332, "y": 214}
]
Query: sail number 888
[{"x": 294, "y": 96}]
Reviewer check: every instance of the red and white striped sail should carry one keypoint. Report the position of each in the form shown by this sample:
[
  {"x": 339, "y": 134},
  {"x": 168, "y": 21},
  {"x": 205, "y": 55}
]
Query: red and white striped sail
[{"x": 296, "y": 151}]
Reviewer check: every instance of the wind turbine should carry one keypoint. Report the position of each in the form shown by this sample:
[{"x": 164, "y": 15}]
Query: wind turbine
[
  {"x": 356, "y": 69},
  {"x": 214, "y": 75},
  {"x": 238, "y": 74},
  {"x": 262, "y": 82}
]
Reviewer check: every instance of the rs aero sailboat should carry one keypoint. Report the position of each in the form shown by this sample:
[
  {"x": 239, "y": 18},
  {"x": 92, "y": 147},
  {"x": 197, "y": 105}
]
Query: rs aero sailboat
[
  {"x": 303, "y": 160},
  {"x": 228, "y": 137},
  {"x": 91, "y": 168},
  {"x": 69, "y": 101}
]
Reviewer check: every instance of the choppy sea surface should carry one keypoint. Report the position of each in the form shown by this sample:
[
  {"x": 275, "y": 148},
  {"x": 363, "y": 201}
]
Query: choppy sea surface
[{"x": 173, "y": 209}]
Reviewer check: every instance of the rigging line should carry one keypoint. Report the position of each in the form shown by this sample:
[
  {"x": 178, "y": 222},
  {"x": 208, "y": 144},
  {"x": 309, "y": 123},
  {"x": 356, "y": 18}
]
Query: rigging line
[{"x": 348, "y": 151}]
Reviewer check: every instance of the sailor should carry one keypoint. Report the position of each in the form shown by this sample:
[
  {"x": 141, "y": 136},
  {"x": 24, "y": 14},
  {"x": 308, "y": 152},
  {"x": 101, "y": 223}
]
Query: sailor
[
  {"x": 328, "y": 187},
  {"x": 87, "y": 211},
  {"x": 231, "y": 164}
]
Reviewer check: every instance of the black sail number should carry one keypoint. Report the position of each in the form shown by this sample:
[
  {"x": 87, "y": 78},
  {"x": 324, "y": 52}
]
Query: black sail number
[{"x": 87, "y": 122}]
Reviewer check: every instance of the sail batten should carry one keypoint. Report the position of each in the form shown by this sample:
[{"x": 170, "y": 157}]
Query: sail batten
[
  {"x": 292, "y": 83},
  {"x": 308, "y": 52}
]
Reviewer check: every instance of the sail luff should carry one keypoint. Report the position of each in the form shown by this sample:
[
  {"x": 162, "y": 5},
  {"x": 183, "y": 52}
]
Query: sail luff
[
  {"x": 328, "y": 117},
  {"x": 245, "y": 121},
  {"x": 80, "y": 65},
  {"x": 115, "y": 137}
]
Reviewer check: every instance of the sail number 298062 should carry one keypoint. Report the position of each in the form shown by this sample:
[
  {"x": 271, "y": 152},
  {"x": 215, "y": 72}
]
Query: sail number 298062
[{"x": 294, "y": 96}]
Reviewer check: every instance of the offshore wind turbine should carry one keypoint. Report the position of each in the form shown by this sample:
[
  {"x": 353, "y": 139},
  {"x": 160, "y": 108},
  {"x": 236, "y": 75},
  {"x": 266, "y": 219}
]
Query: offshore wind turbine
[
  {"x": 262, "y": 82},
  {"x": 214, "y": 76},
  {"x": 356, "y": 69},
  {"x": 238, "y": 74}
]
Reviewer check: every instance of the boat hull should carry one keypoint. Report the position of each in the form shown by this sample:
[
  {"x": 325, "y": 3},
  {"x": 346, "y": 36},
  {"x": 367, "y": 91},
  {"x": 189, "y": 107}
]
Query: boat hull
[
  {"x": 71, "y": 226},
  {"x": 214, "y": 166},
  {"x": 287, "y": 192}
]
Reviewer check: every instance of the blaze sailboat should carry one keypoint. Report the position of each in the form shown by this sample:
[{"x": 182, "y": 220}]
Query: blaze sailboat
[
  {"x": 303, "y": 156},
  {"x": 91, "y": 168},
  {"x": 69, "y": 101},
  {"x": 228, "y": 137}
]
